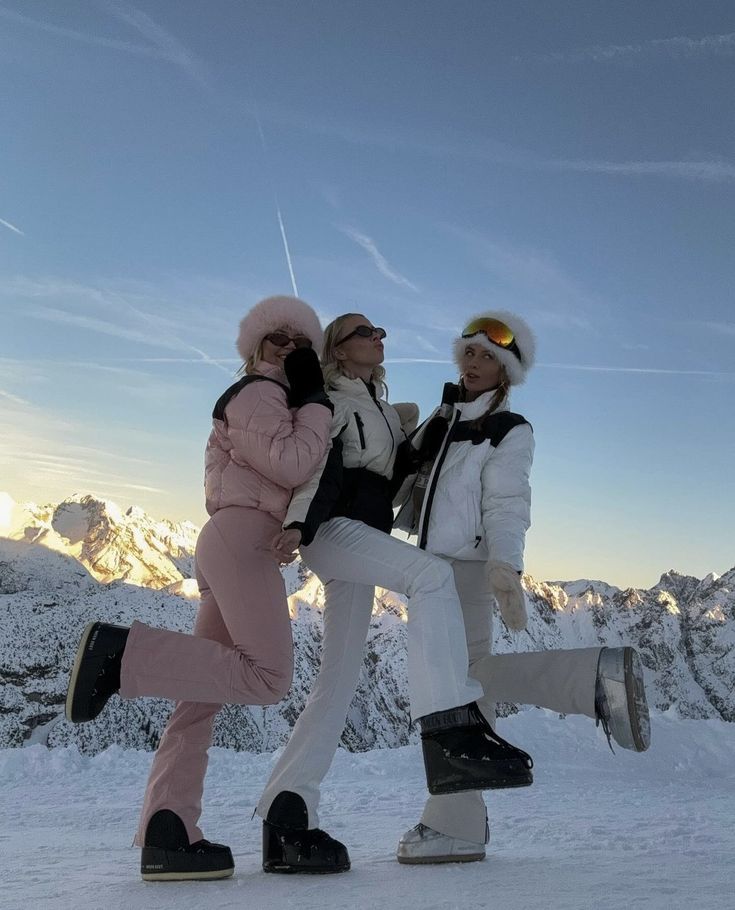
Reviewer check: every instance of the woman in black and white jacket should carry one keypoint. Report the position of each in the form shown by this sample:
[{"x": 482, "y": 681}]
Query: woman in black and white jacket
[{"x": 470, "y": 504}]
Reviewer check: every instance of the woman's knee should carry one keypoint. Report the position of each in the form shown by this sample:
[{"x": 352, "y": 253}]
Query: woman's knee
[
  {"x": 278, "y": 686},
  {"x": 434, "y": 575},
  {"x": 261, "y": 685}
]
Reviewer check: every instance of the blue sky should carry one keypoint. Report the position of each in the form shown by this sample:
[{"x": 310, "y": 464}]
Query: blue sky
[{"x": 570, "y": 161}]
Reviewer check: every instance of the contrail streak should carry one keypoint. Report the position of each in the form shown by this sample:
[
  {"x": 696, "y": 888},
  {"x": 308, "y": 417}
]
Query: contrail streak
[
  {"x": 269, "y": 171},
  {"x": 286, "y": 250},
  {"x": 11, "y": 227}
]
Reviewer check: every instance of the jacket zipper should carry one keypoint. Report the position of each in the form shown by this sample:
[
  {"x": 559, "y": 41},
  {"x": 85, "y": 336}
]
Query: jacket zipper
[
  {"x": 392, "y": 437},
  {"x": 360, "y": 429},
  {"x": 431, "y": 487}
]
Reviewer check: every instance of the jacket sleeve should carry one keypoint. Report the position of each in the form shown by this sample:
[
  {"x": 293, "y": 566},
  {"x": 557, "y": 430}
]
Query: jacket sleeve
[
  {"x": 284, "y": 446},
  {"x": 506, "y": 496},
  {"x": 405, "y": 462},
  {"x": 324, "y": 485},
  {"x": 408, "y": 413}
]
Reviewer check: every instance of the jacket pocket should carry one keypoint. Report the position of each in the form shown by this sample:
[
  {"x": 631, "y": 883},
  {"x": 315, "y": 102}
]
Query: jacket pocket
[
  {"x": 473, "y": 530},
  {"x": 360, "y": 430}
]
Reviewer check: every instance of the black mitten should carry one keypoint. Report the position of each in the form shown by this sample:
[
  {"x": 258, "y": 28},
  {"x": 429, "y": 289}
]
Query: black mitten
[{"x": 305, "y": 379}]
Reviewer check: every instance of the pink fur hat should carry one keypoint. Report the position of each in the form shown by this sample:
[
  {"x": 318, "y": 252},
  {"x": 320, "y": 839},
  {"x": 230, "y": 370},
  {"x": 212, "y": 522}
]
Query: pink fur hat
[
  {"x": 278, "y": 313},
  {"x": 516, "y": 365}
]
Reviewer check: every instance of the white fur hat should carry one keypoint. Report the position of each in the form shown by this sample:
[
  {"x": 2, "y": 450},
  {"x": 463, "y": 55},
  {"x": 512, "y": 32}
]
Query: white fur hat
[
  {"x": 516, "y": 367},
  {"x": 278, "y": 313}
]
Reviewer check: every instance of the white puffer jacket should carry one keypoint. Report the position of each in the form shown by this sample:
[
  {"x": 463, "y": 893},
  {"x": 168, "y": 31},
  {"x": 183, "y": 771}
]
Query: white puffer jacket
[
  {"x": 370, "y": 431},
  {"x": 478, "y": 498}
]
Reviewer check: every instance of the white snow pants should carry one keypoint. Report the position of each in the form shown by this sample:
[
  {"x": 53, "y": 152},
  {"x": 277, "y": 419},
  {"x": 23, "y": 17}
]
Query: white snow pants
[
  {"x": 351, "y": 559},
  {"x": 563, "y": 681}
]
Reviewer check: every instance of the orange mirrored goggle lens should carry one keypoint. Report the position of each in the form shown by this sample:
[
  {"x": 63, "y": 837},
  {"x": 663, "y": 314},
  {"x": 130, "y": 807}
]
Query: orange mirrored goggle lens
[{"x": 493, "y": 329}]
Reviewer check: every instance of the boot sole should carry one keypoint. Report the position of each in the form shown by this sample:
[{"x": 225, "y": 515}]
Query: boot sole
[
  {"x": 159, "y": 865},
  {"x": 636, "y": 694},
  {"x": 446, "y": 858},
  {"x": 69, "y": 707},
  {"x": 497, "y": 783},
  {"x": 302, "y": 870},
  {"x": 187, "y": 876}
]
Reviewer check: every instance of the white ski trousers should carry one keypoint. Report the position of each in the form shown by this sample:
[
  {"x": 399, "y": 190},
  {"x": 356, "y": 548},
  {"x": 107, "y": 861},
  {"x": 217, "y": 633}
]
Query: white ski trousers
[
  {"x": 351, "y": 559},
  {"x": 562, "y": 680}
]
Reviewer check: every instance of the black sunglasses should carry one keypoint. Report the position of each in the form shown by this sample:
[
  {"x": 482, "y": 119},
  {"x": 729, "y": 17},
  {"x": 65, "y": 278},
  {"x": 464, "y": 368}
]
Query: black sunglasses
[
  {"x": 363, "y": 331},
  {"x": 281, "y": 339}
]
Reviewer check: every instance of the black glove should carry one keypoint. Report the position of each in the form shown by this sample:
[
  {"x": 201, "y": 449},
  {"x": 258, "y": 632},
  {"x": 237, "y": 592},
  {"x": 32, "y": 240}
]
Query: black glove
[
  {"x": 432, "y": 438},
  {"x": 305, "y": 379}
]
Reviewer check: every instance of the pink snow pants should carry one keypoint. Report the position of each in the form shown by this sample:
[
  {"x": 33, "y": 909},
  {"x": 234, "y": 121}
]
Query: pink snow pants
[{"x": 241, "y": 652}]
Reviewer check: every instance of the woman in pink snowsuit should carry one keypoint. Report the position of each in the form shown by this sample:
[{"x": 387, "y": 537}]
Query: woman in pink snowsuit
[{"x": 270, "y": 432}]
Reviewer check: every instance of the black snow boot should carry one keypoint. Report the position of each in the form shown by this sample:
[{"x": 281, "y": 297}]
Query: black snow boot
[
  {"x": 95, "y": 675},
  {"x": 463, "y": 752},
  {"x": 169, "y": 857},
  {"x": 289, "y": 846}
]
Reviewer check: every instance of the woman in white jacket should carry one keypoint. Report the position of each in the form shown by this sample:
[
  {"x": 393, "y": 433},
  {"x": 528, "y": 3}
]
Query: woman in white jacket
[
  {"x": 342, "y": 519},
  {"x": 471, "y": 505}
]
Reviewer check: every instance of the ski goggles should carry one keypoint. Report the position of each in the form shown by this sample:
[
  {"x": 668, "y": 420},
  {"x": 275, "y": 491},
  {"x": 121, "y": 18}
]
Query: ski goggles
[
  {"x": 363, "y": 331},
  {"x": 495, "y": 331},
  {"x": 281, "y": 339}
]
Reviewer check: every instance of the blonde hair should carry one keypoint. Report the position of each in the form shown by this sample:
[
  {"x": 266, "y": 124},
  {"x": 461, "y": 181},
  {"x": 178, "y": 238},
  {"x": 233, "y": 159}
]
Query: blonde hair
[
  {"x": 332, "y": 367},
  {"x": 249, "y": 366}
]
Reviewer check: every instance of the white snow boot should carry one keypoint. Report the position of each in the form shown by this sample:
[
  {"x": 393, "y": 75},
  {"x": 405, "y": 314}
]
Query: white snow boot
[
  {"x": 423, "y": 845},
  {"x": 620, "y": 699}
]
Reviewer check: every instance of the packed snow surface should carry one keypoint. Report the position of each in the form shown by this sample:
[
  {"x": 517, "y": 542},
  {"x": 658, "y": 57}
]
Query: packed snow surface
[{"x": 596, "y": 831}]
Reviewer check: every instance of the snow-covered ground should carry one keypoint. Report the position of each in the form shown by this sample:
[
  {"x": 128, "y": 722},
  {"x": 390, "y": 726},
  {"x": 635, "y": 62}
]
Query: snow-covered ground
[{"x": 596, "y": 831}]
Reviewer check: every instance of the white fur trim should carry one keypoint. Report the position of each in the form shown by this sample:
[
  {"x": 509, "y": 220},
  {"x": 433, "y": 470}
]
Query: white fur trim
[
  {"x": 277, "y": 313},
  {"x": 524, "y": 337}
]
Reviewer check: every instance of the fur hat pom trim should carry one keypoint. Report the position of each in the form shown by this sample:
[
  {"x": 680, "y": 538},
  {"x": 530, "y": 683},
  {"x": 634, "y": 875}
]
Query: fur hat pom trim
[
  {"x": 279, "y": 312},
  {"x": 516, "y": 369}
]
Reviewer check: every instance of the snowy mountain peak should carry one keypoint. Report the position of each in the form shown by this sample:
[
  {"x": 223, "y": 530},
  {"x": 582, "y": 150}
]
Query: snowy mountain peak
[{"x": 112, "y": 545}]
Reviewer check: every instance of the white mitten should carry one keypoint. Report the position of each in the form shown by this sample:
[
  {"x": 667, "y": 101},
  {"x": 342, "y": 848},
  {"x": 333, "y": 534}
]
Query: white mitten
[{"x": 506, "y": 586}]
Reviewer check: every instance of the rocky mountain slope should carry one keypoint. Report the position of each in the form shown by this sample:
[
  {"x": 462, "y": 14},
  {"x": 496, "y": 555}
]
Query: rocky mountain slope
[
  {"x": 112, "y": 545},
  {"x": 58, "y": 571}
]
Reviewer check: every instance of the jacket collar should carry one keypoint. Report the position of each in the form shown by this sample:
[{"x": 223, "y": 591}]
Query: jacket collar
[
  {"x": 263, "y": 368},
  {"x": 471, "y": 410},
  {"x": 357, "y": 388}
]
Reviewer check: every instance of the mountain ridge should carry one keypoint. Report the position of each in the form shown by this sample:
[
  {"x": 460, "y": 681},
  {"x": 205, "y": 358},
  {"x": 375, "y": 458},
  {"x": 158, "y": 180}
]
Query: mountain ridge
[{"x": 50, "y": 586}]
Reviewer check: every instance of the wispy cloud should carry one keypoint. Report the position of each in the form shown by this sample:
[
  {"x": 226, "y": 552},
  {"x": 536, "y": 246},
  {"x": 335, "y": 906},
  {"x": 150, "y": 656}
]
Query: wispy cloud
[
  {"x": 712, "y": 171},
  {"x": 39, "y": 459},
  {"x": 416, "y": 360},
  {"x": 480, "y": 148},
  {"x": 381, "y": 263},
  {"x": 678, "y": 47},
  {"x": 533, "y": 280},
  {"x": 11, "y": 227},
  {"x": 161, "y": 44},
  {"x": 83, "y": 37},
  {"x": 166, "y": 45},
  {"x": 393, "y": 139},
  {"x": 721, "y": 328},
  {"x": 16, "y": 399},
  {"x": 92, "y": 324},
  {"x": 148, "y": 329},
  {"x": 595, "y": 368}
]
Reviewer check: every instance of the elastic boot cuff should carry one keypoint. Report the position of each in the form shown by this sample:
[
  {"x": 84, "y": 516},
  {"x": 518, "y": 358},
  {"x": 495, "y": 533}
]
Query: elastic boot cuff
[{"x": 461, "y": 716}]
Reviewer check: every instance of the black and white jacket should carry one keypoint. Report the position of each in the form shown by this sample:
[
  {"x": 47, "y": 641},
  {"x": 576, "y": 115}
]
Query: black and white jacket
[
  {"x": 356, "y": 477},
  {"x": 478, "y": 497}
]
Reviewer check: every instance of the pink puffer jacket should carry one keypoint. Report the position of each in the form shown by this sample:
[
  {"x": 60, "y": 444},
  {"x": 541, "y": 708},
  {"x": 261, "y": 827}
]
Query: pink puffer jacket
[{"x": 264, "y": 449}]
